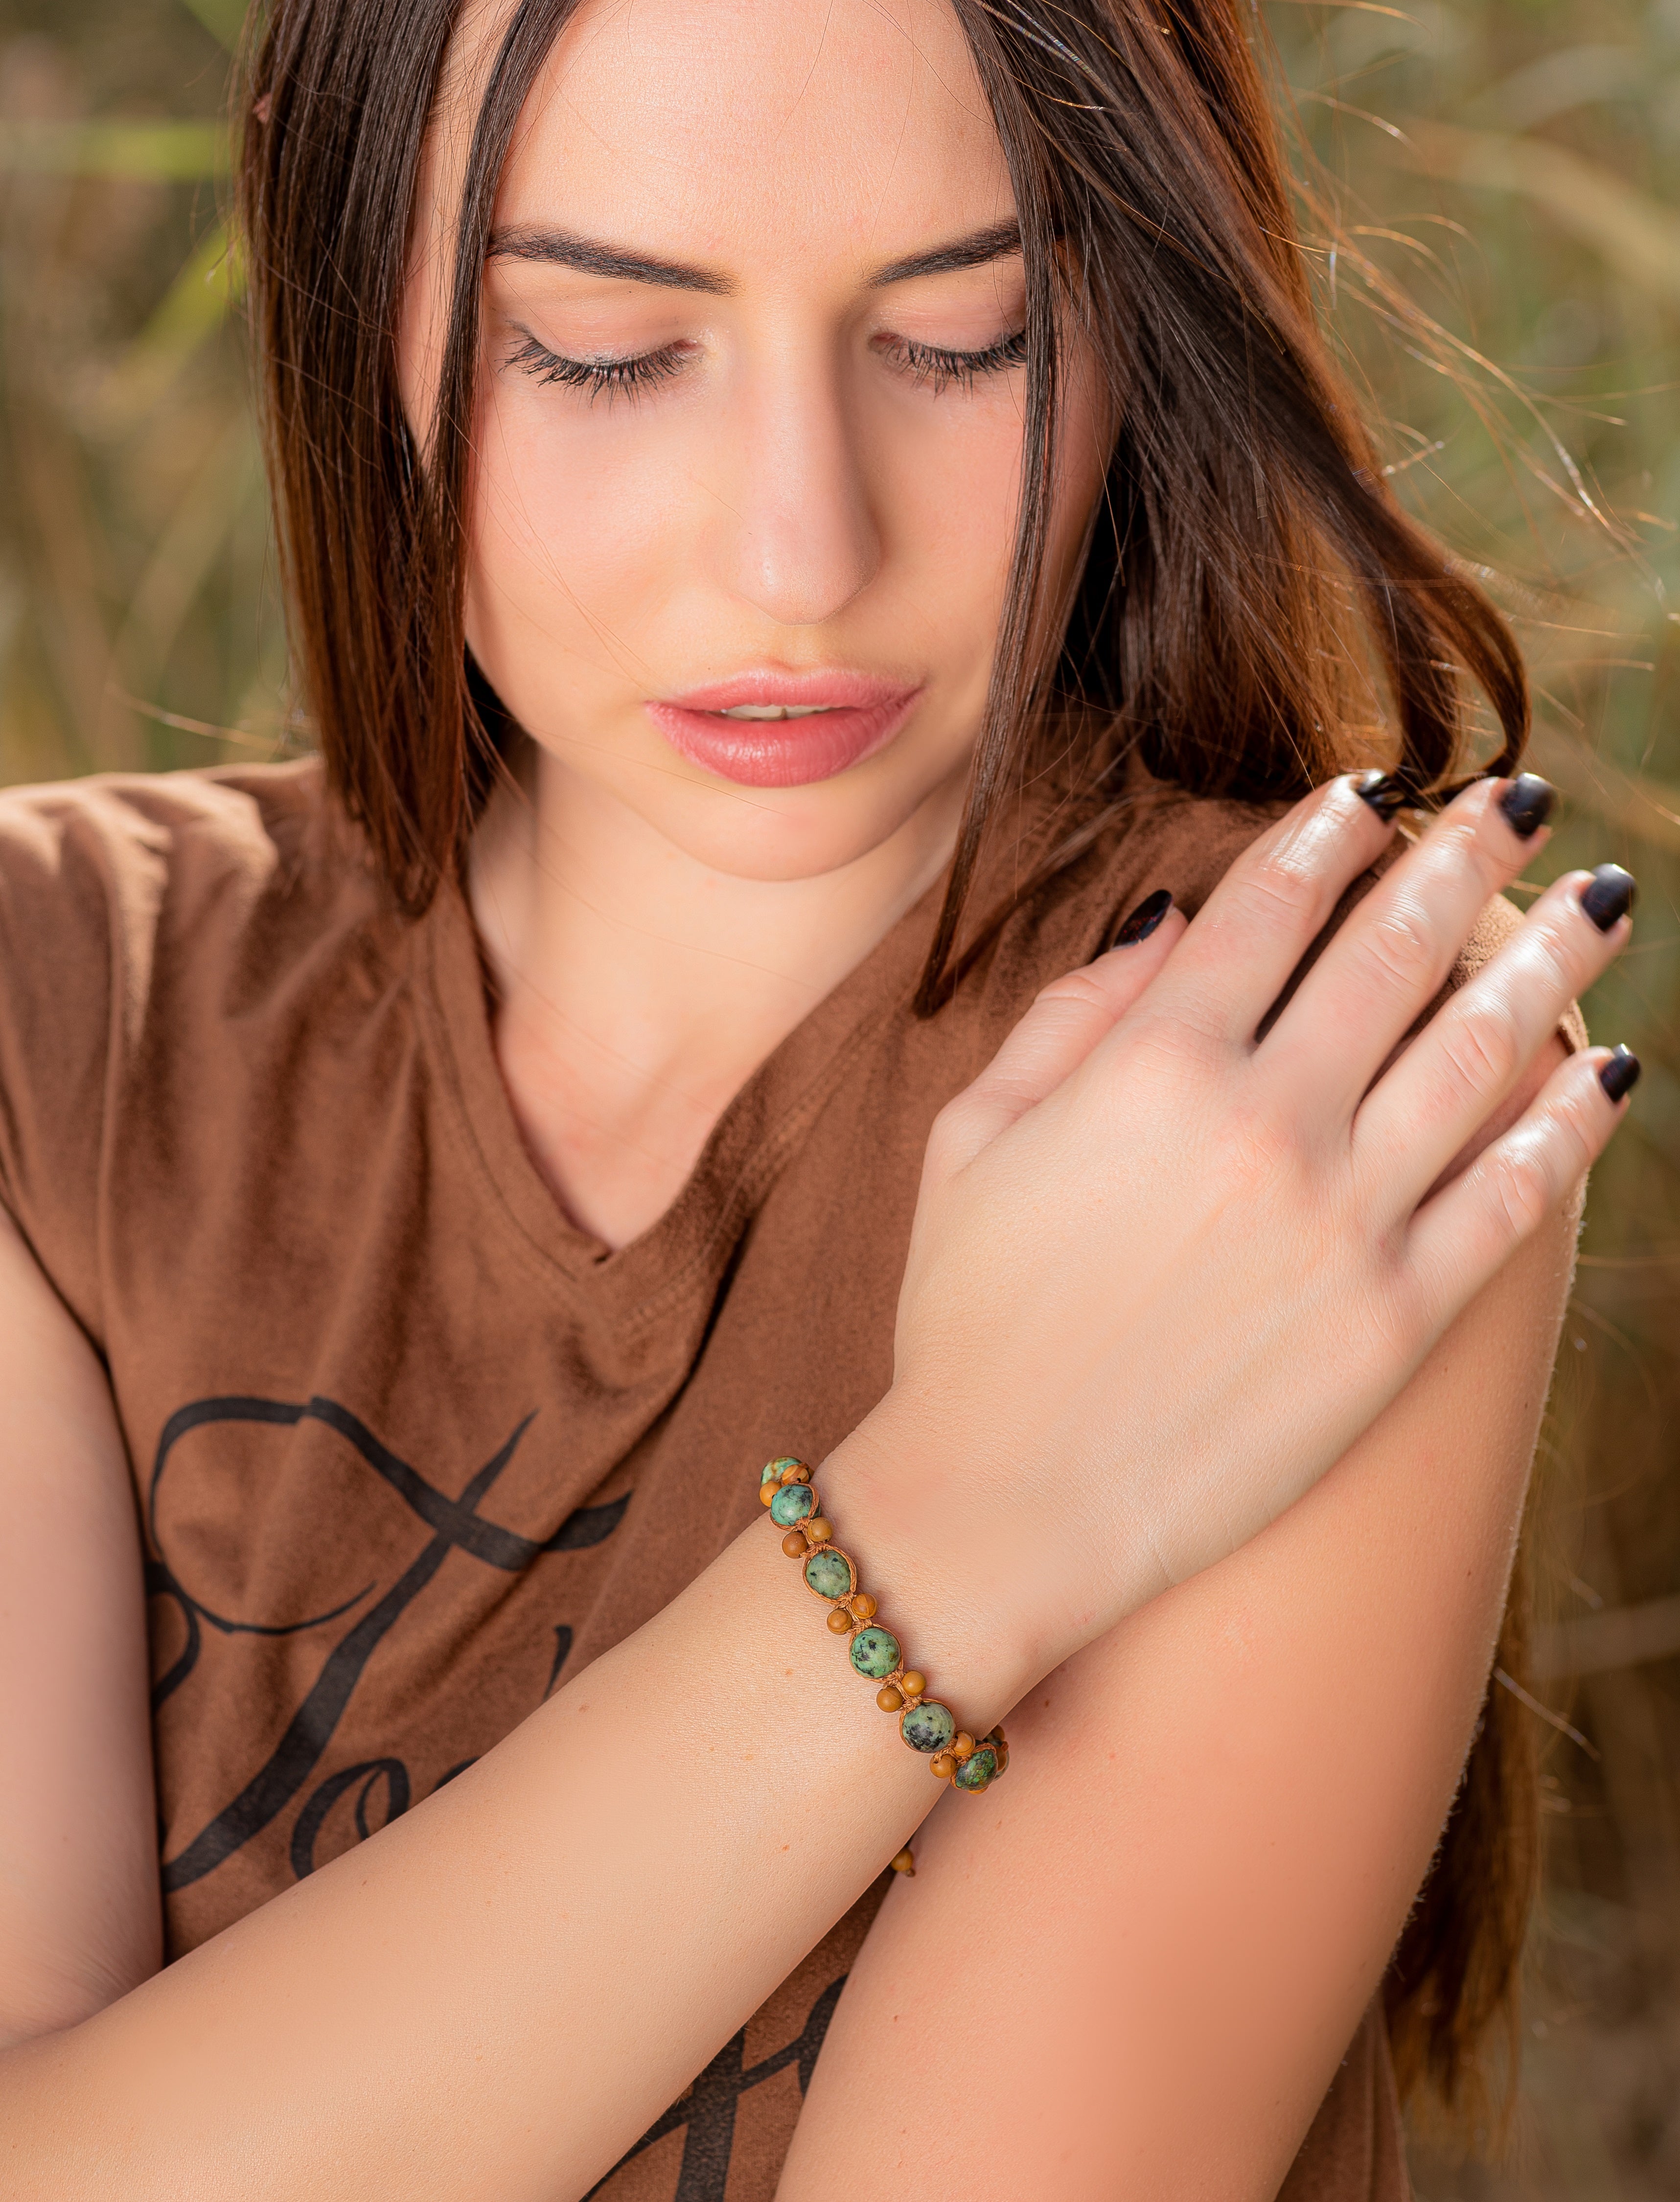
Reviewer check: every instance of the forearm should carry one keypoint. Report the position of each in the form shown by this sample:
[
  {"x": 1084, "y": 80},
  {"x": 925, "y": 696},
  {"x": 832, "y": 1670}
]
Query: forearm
[
  {"x": 1157, "y": 1285},
  {"x": 1145, "y": 1956},
  {"x": 498, "y": 1992}
]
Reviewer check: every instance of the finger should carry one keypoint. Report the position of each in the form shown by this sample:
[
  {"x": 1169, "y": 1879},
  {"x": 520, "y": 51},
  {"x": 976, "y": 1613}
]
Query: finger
[
  {"x": 1272, "y": 905},
  {"x": 1470, "y": 1230},
  {"x": 1393, "y": 956},
  {"x": 1471, "y": 1054},
  {"x": 1064, "y": 1023}
]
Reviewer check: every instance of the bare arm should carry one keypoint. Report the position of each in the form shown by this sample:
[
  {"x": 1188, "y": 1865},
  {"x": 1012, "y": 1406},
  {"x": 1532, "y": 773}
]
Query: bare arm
[
  {"x": 495, "y": 1994},
  {"x": 80, "y": 1917},
  {"x": 1146, "y": 1956}
]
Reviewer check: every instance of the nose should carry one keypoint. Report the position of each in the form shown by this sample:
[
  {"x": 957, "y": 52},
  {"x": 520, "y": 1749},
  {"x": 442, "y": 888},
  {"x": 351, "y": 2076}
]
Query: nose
[{"x": 799, "y": 536}]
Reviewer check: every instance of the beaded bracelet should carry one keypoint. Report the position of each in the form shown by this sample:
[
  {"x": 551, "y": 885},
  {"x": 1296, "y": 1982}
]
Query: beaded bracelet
[{"x": 926, "y": 1723}]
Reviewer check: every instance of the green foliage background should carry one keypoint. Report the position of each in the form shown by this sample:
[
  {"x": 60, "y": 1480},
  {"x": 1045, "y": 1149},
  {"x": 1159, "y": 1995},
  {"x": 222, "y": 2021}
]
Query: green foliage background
[{"x": 1515, "y": 164}]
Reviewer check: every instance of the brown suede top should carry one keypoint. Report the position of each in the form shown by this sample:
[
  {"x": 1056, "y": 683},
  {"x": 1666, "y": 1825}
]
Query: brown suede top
[{"x": 409, "y": 1448}]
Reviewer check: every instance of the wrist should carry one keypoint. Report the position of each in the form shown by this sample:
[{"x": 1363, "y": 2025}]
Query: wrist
[{"x": 964, "y": 1607}]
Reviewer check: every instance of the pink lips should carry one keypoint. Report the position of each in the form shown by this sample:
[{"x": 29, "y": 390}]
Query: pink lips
[{"x": 858, "y": 713}]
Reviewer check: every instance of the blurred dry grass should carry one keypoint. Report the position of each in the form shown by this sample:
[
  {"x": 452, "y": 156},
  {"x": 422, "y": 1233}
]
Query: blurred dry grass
[
  {"x": 133, "y": 539},
  {"x": 1516, "y": 164}
]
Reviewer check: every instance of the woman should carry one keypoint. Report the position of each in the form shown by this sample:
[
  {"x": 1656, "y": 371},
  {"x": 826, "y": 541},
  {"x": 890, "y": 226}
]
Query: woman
[{"x": 798, "y": 519}]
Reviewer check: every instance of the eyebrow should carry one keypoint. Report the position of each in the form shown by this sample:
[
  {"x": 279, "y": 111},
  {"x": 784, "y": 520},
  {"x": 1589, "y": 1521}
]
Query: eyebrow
[
  {"x": 1002, "y": 241},
  {"x": 561, "y": 249},
  {"x": 558, "y": 248}
]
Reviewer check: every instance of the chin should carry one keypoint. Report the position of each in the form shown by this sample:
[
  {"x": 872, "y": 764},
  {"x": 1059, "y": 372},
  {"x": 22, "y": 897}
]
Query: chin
[{"x": 782, "y": 834}]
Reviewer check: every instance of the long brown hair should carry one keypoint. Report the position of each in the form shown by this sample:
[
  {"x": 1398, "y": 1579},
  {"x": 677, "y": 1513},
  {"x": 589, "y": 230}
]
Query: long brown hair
[{"x": 1249, "y": 589}]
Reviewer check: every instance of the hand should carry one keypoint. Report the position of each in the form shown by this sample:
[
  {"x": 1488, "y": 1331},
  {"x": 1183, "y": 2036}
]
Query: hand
[{"x": 1164, "y": 1273}]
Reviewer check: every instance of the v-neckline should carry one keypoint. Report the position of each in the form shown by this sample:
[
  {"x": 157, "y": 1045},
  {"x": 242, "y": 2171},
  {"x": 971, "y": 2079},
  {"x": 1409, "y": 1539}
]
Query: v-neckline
[{"x": 752, "y": 1140}]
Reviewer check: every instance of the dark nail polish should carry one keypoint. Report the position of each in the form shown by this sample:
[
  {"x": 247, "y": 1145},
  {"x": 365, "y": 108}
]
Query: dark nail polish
[
  {"x": 1621, "y": 1073},
  {"x": 1384, "y": 791},
  {"x": 1143, "y": 920},
  {"x": 1527, "y": 804},
  {"x": 1608, "y": 896}
]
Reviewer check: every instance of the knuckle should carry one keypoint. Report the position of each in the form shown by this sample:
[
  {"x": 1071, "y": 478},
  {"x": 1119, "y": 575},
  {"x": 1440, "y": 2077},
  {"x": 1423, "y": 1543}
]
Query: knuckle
[
  {"x": 956, "y": 1109},
  {"x": 1074, "y": 989},
  {"x": 1577, "y": 1138},
  {"x": 950, "y": 1125},
  {"x": 1482, "y": 1047},
  {"x": 1458, "y": 842},
  {"x": 1400, "y": 947},
  {"x": 1559, "y": 961},
  {"x": 1280, "y": 890},
  {"x": 1184, "y": 1039},
  {"x": 1520, "y": 1186},
  {"x": 1260, "y": 1152},
  {"x": 1461, "y": 837}
]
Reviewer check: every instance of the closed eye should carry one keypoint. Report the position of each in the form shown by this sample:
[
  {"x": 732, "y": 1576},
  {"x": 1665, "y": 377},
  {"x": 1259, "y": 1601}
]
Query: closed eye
[
  {"x": 931, "y": 367},
  {"x": 935, "y": 368},
  {"x": 600, "y": 378}
]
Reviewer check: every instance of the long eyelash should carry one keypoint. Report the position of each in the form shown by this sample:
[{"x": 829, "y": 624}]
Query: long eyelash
[
  {"x": 938, "y": 369},
  {"x": 929, "y": 365},
  {"x": 598, "y": 377}
]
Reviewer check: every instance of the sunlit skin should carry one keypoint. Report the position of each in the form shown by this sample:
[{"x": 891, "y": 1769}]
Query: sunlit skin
[{"x": 1209, "y": 1429}]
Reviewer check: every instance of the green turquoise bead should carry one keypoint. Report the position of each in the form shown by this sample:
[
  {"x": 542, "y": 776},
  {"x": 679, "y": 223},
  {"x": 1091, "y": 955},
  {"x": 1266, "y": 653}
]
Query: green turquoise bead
[
  {"x": 976, "y": 1772},
  {"x": 874, "y": 1651},
  {"x": 929, "y": 1727},
  {"x": 773, "y": 1469},
  {"x": 791, "y": 1504},
  {"x": 829, "y": 1575}
]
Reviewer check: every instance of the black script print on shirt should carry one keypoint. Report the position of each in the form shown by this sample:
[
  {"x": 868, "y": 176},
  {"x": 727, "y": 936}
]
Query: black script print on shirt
[
  {"x": 390, "y": 1771},
  {"x": 456, "y": 1525},
  {"x": 708, "y": 2110}
]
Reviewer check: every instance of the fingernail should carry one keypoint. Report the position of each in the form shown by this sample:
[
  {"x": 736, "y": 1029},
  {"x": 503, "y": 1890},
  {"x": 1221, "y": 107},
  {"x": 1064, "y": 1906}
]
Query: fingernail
[
  {"x": 1621, "y": 1073},
  {"x": 1384, "y": 791},
  {"x": 1608, "y": 896},
  {"x": 1143, "y": 920},
  {"x": 1527, "y": 804}
]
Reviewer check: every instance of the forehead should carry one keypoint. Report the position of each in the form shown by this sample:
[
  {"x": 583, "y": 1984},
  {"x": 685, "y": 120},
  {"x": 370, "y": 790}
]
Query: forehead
[{"x": 786, "y": 133}]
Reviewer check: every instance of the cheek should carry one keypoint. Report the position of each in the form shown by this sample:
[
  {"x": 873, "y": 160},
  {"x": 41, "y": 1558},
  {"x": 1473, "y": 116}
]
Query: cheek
[
  {"x": 946, "y": 486},
  {"x": 576, "y": 523}
]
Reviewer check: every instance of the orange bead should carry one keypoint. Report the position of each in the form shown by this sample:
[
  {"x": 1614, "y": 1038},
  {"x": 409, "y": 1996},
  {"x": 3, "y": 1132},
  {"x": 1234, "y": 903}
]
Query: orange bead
[
  {"x": 863, "y": 1605},
  {"x": 915, "y": 1685},
  {"x": 798, "y": 1473},
  {"x": 818, "y": 1530},
  {"x": 905, "y": 1862},
  {"x": 945, "y": 1766},
  {"x": 767, "y": 1491},
  {"x": 889, "y": 1700},
  {"x": 840, "y": 1621},
  {"x": 793, "y": 1544},
  {"x": 964, "y": 1746}
]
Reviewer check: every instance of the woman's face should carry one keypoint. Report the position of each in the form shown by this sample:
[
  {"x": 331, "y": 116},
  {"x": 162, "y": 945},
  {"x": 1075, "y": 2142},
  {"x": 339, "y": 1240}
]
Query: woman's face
[{"x": 751, "y": 411}]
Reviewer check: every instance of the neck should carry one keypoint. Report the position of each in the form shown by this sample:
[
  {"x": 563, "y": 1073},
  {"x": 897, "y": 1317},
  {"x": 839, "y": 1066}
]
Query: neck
[{"x": 638, "y": 989}]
